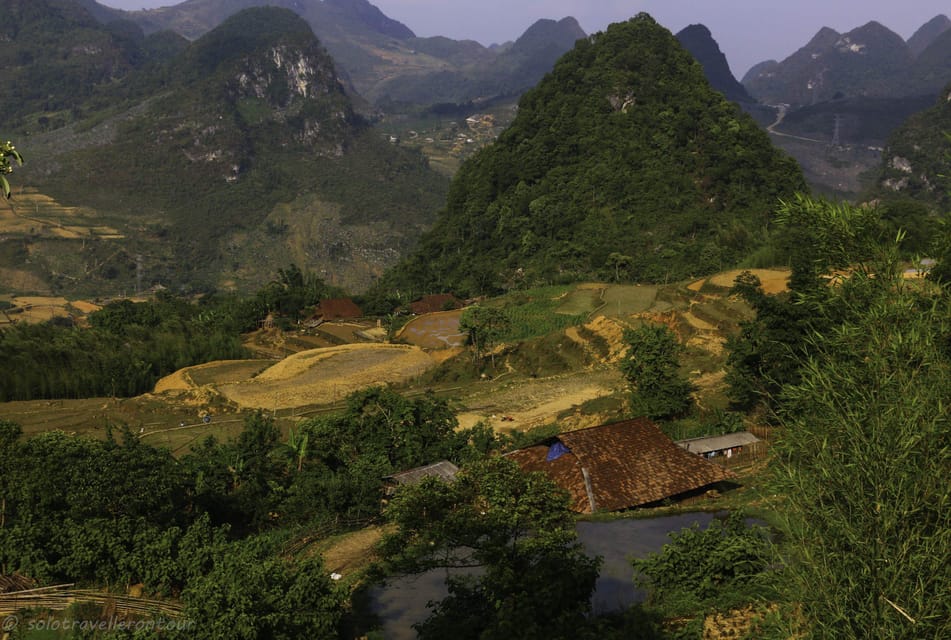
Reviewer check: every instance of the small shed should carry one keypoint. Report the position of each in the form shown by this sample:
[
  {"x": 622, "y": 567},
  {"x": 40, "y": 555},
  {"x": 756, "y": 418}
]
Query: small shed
[
  {"x": 444, "y": 470},
  {"x": 728, "y": 445},
  {"x": 620, "y": 465}
]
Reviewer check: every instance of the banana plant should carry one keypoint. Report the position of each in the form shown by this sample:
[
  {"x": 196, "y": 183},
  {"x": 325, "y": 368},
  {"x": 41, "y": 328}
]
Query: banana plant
[{"x": 8, "y": 156}]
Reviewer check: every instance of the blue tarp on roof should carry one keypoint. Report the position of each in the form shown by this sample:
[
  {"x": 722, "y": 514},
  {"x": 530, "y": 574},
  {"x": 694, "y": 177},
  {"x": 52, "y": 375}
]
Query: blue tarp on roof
[{"x": 557, "y": 450}]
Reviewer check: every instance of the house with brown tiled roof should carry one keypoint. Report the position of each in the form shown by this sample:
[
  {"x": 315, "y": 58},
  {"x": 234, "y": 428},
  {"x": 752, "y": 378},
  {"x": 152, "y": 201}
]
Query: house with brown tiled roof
[
  {"x": 619, "y": 466},
  {"x": 434, "y": 303},
  {"x": 337, "y": 309}
]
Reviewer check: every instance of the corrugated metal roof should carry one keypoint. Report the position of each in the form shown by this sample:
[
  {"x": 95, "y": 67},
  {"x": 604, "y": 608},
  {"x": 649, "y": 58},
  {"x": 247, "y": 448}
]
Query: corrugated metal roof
[
  {"x": 442, "y": 469},
  {"x": 717, "y": 443},
  {"x": 629, "y": 463}
]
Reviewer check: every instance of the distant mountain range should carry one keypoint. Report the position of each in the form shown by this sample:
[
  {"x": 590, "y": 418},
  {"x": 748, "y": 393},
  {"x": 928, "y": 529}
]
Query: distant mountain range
[
  {"x": 870, "y": 61},
  {"x": 842, "y": 96},
  {"x": 383, "y": 59}
]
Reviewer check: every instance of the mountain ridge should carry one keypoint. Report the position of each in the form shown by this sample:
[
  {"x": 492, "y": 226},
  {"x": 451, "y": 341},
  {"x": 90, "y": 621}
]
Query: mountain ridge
[{"x": 927, "y": 33}]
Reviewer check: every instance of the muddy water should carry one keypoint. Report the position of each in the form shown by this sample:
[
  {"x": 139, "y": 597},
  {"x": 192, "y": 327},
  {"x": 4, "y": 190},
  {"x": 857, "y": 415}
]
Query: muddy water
[{"x": 402, "y": 602}]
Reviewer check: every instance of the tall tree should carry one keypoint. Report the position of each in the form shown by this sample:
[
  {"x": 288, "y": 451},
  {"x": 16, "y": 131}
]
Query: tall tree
[
  {"x": 865, "y": 450},
  {"x": 484, "y": 326},
  {"x": 651, "y": 367},
  {"x": 824, "y": 241}
]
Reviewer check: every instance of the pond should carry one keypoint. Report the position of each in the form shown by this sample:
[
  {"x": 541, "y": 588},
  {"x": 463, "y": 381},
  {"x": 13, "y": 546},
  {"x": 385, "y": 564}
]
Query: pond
[{"x": 402, "y": 602}]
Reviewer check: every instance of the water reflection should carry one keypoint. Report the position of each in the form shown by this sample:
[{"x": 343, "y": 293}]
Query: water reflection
[{"x": 401, "y": 602}]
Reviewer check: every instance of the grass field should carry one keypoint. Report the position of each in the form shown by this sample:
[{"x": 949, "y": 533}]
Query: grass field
[
  {"x": 622, "y": 300},
  {"x": 584, "y": 299}
]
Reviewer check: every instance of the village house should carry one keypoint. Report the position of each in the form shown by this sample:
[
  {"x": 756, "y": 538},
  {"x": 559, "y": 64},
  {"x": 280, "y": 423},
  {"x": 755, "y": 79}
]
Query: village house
[
  {"x": 335, "y": 309},
  {"x": 443, "y": 470},
  {"x": 619, "y": 466}
]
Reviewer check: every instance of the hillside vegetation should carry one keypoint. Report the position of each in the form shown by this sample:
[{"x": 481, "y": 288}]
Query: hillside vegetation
[
  {"x": 917, "y": 157},
  {"x": 242, "y": 154},
  {"x": 622, "y": 162}
]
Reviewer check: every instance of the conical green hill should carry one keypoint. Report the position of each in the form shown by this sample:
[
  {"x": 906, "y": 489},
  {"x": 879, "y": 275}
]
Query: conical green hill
[{"x": 621, "y": 162}]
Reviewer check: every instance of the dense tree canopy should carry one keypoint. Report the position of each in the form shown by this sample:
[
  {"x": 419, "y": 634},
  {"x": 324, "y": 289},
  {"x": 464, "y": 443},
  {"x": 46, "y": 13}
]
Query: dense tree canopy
[
  {"x": 624, "y": 148},
  {"x": 128, "y": 347},
  {"x": 536, "y": 583}
]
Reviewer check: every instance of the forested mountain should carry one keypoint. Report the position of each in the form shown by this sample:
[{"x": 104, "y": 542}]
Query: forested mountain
[
  {"x": 246, "y": 156},
  {"x": 844, "y": 94},
  {"x": 916, "y": 161},
  {"x": 623, "y": 160},
  {"x": 57, "y": 57},
  {"x": 698, "y": 40}
]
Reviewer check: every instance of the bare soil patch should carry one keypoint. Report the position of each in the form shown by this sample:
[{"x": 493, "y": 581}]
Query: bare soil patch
[
  {"x": 773, "y": 280},
  {"x": 39, "y": 308},
  {"x": 85, "y": 307},
  {"x": 608, "y": 329},
  {"x": 324, "y": 376},
  {"x": 346, "y": 331}
]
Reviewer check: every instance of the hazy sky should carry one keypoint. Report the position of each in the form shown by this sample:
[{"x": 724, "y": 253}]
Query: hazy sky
[{"x": 748, "y": 31}]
